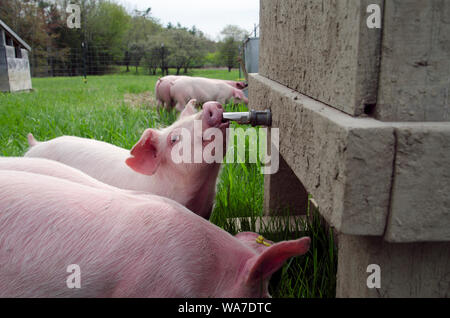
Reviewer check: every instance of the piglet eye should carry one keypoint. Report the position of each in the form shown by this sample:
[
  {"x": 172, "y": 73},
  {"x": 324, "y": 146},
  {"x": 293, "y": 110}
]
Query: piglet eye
[{"x": 174, "y": 138}]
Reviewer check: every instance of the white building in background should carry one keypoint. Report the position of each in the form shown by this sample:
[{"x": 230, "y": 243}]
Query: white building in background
[{"x": 14, "y": 64}]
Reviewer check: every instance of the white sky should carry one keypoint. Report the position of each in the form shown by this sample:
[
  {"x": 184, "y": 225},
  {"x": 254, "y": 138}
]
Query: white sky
[{"x": 210, "y": 16}]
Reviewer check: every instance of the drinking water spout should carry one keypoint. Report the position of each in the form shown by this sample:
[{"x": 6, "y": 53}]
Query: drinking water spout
[{"x": 253, "y": 117}]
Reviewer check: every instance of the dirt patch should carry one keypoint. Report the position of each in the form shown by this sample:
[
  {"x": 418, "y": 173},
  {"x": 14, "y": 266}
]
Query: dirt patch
[{"x": 145, "y": 99}]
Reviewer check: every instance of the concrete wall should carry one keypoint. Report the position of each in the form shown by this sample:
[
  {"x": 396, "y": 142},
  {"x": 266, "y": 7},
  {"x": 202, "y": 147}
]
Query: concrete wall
[
  {"x": 344, "y": 162},
  {"x": 415, "y": 61},
  {"x": 325, "y": 50},
  {"x": 420, "y": 195},
  {"x": 322, "y": 49},
  {"x": 369, "y": 177},
  {"x": 284, "y": 193},
  {"x": 364, "y": 124},
  {"x": 321, "y": 67},
  {"x": 407, "y": 270}
]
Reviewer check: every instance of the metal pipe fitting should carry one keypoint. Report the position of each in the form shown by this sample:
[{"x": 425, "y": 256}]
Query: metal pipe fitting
[{"x": 253, "y": 117}]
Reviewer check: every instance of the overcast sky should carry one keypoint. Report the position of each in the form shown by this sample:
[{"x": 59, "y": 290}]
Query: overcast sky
[{"x": 210, "y": 16}]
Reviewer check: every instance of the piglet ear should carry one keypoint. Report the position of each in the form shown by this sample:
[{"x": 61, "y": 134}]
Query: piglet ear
[
  {"x": 269, "y": 261},
  {"x": 189, "y": 109},
  {"x": 145, "y": 158}
]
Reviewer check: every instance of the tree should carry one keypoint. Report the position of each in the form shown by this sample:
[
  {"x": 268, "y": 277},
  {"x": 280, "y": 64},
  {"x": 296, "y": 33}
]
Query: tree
[
  {"x": 154, "y": 51},
  {"x": 229, "y": 53},
  {"x": 137, "y": 52},
  {"x": 141, "y": 29},
  {"x": 107, "y": 25},
  {"x": 233, "y": 36},
  {"x": 212, "y": 59},
  {"x": 235, "y": 32},
  {"x": 152, "y": 58},
  {"x": 127, "y": 60},
  {"x": 176, "y": 43},
  {"x": 142, "y": 26},
  {"x": 186, "y": 49}
]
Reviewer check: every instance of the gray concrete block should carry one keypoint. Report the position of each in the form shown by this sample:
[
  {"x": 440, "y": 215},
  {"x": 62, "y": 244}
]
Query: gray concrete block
[
  {"x": 420, "y": 207},
  {"x": 348, "y": 164},
  {"x": 322, "y": 49},
  {"x": 407, "y": 270},
  {"x": 415, "y": 70},
  {"x": 326, "y": 51},
  {"x": 284, "y": 193},
  {"x": 344, "y": 162}
]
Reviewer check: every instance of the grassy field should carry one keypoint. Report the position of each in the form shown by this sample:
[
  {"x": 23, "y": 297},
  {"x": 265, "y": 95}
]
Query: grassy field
[{"x": 117, "y": 109}]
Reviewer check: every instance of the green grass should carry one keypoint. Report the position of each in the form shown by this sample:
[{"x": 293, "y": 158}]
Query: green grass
[{"x": 96, "y": 109}]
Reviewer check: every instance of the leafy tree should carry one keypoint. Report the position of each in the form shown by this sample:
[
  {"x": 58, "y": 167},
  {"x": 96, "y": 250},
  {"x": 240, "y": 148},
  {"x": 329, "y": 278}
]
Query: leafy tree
[
  {"x": 107, "y": 24},
  {"x": 127, "y": 60},
  {"x": 154, "y": 52},
  {"x": 152, "y": 58},
  {"x": 187, "y": 49},
  {"x": 136, "y": 52},
  {"x": 233, "y": 36},
  {"x": 235, "y": 32},
  {"x": 141, "y": 29},
  {"x": 142, "y": 26},
  {"x": 229, "y": 53},
  {"x": 212, "y": 59}
]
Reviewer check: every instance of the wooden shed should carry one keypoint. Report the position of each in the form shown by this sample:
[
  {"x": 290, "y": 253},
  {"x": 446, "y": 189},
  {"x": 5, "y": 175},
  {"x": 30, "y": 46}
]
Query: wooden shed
[{"x": 14, "y": 64}]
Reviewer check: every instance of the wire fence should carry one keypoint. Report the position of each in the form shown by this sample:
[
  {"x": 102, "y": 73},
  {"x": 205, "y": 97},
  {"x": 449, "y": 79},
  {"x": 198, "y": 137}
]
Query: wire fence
[
  {"x": 93, "y": 60},
  {"x": 101, "y": 60}
]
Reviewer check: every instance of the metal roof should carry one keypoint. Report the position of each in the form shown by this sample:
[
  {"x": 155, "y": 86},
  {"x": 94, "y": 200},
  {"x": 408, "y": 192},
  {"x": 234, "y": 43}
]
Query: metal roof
[{"x": 14, "y": 35}]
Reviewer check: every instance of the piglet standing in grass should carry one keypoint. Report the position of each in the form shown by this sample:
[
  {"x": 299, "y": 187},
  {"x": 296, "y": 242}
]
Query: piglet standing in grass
[
  {"x": 149, "y": 166},
  {"x": 164, "y": 84},
  {"x": 122, "y": 245},
  {"x": 204, "y": 90}
]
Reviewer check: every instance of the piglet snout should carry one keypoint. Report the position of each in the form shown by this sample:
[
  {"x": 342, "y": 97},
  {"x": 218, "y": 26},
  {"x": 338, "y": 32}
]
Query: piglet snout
[{"x": 212, "y": 114}]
